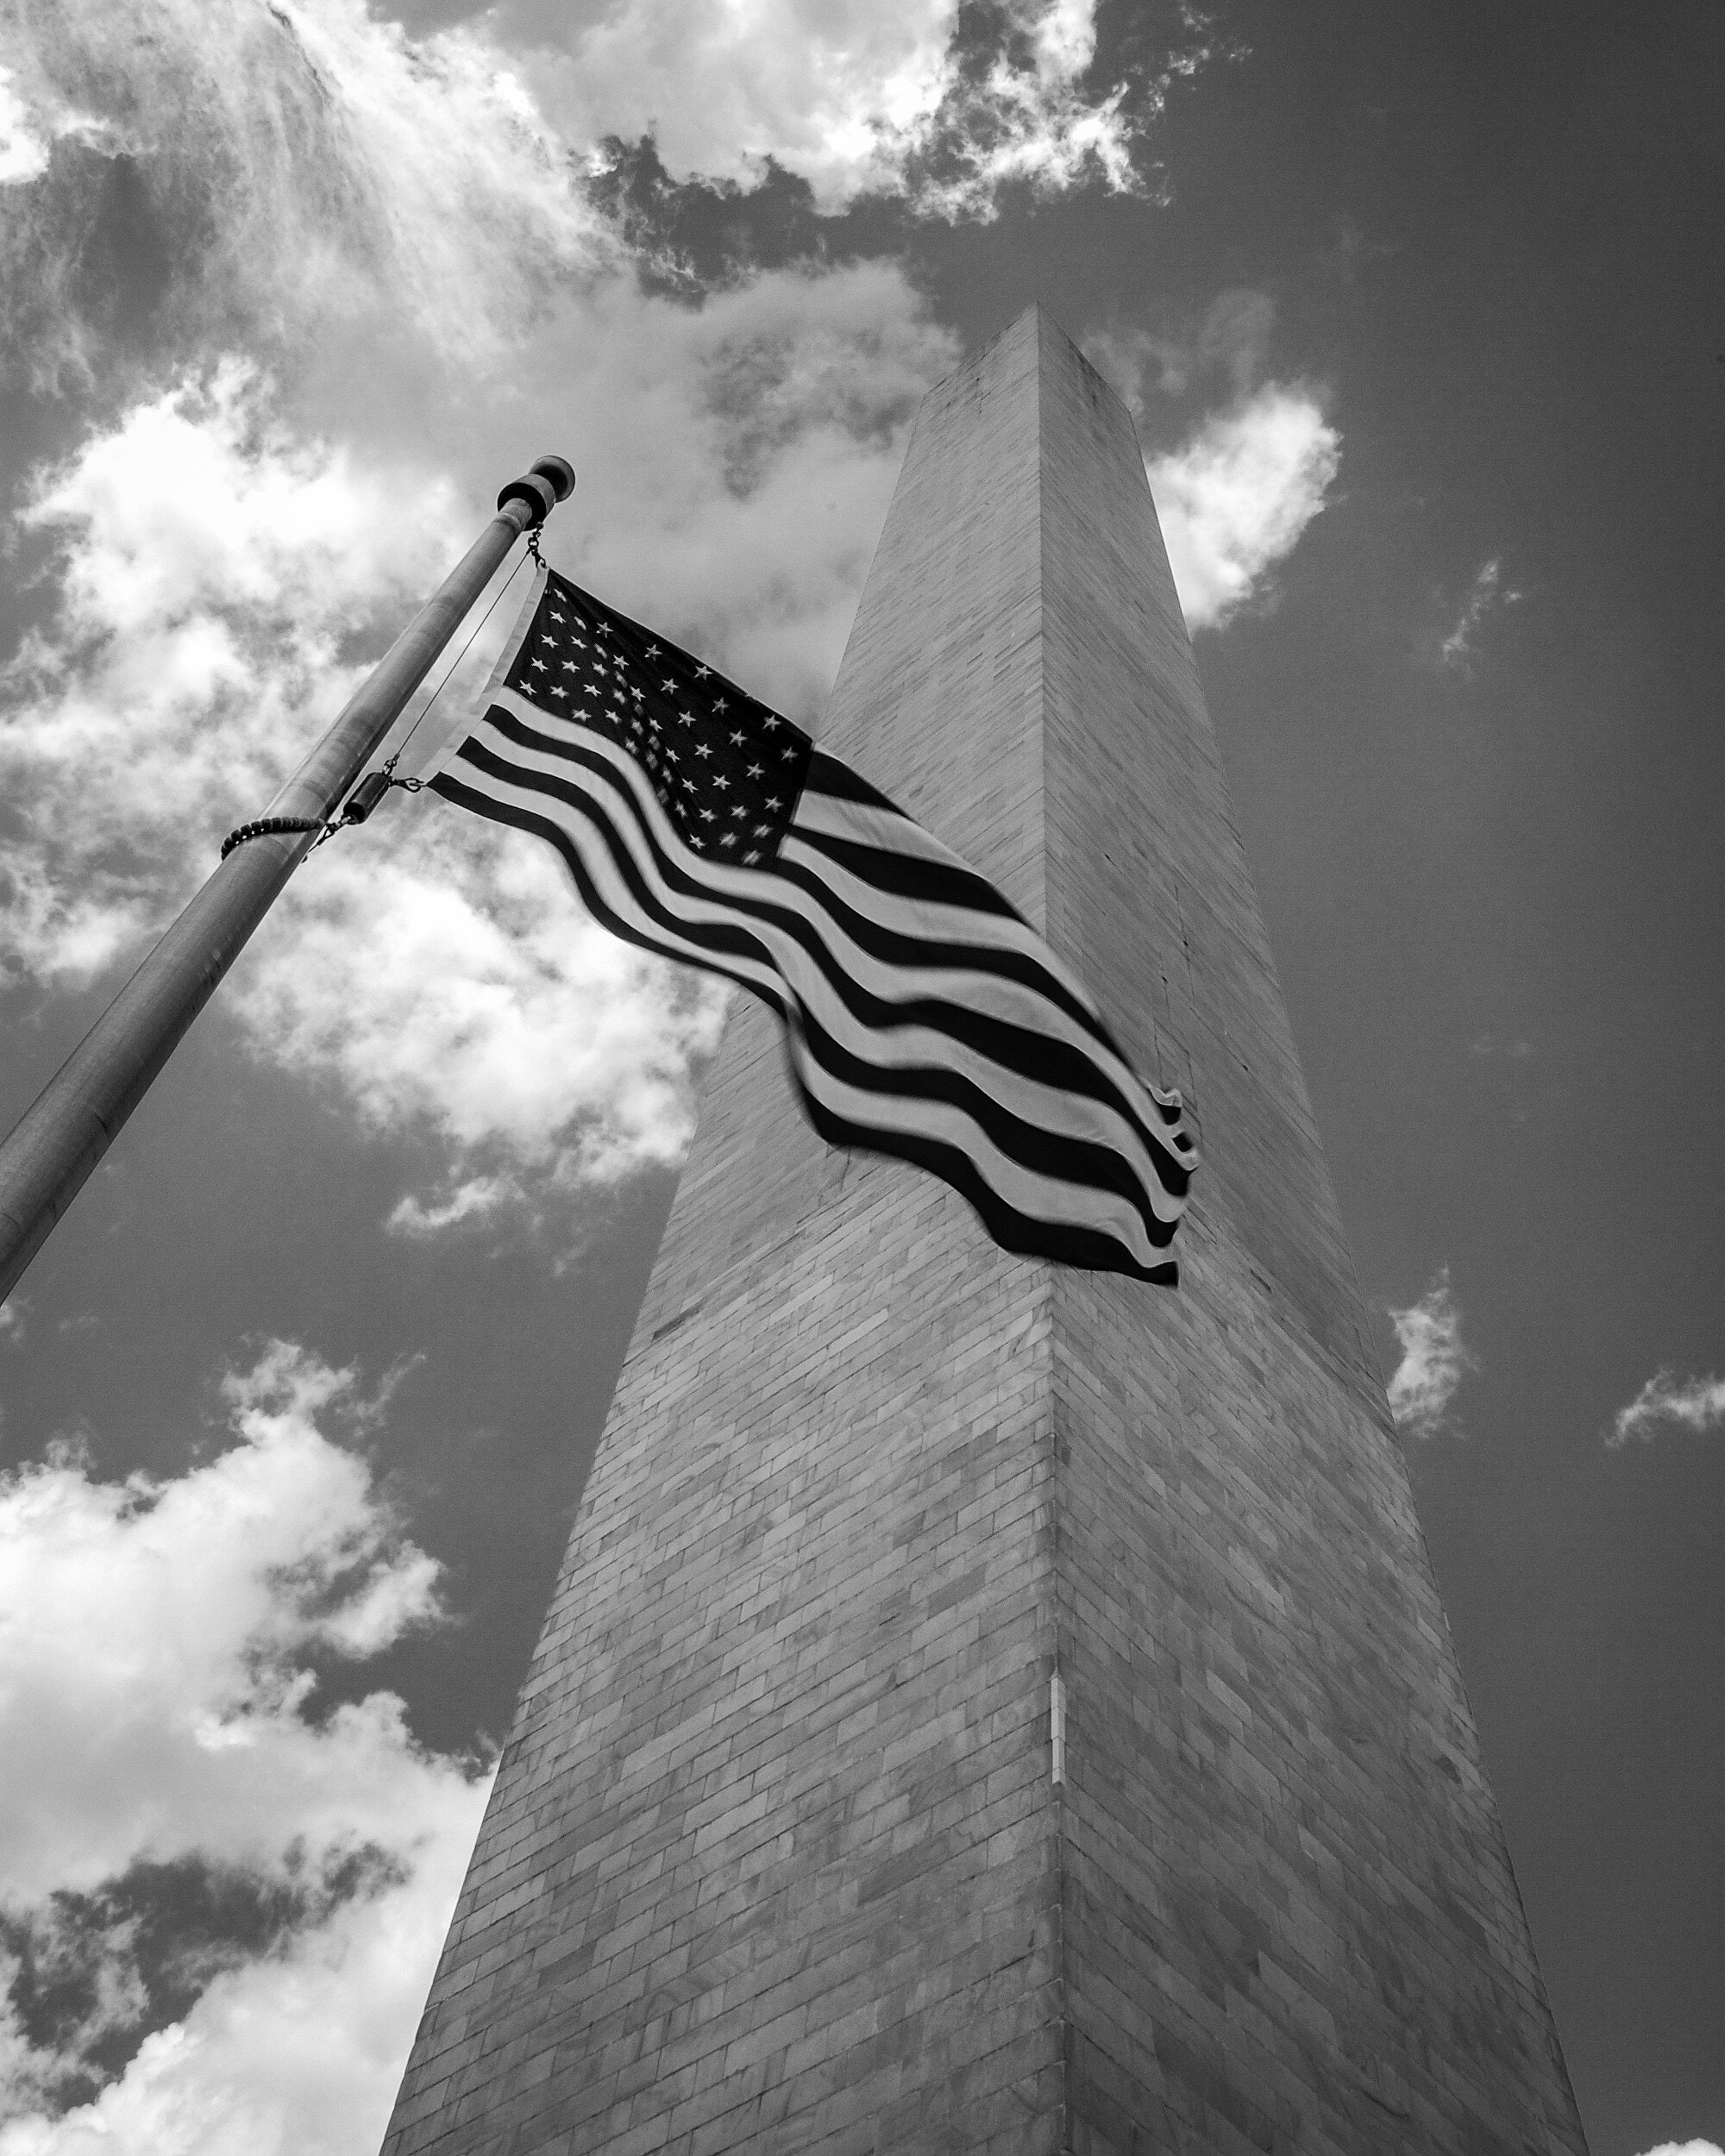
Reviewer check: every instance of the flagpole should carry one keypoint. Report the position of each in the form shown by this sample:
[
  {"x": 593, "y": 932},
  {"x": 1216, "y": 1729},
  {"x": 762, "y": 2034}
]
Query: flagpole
[{"x": 79, "y": 1113}]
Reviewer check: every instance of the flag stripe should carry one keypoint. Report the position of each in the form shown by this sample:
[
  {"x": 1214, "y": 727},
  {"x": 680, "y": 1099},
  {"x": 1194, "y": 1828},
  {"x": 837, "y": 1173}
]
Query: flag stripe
[
  {"x": 884, "y": 837},
  {"x": 1003, "y": 943},
  {"x": 919, "y": 875},
  {"x": 827, "y": 774},
  {"x": 994, "y": 1014},
  {"x": 935, "y": 895},
  {"x": 1054, "y": 1222}
]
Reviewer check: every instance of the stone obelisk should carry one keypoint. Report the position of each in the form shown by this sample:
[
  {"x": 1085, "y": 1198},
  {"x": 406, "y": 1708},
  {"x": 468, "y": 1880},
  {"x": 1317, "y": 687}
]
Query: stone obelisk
[{"x": 985, "y": 1704}]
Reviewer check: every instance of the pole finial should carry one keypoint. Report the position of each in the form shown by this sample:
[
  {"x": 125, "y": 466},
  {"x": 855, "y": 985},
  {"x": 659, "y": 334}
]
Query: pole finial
[{"x": 547, "y": 482}]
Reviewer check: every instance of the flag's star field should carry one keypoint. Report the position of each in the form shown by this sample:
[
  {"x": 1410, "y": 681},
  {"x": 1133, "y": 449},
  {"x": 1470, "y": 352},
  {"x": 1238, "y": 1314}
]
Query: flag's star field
[{"x": 700, "y": 750}]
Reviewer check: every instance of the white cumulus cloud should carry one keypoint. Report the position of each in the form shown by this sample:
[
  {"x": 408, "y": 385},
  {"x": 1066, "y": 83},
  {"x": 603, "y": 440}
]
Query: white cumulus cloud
[
  {"x": 31, "y": 121},
  {"x": 23, "y": 152},
  {"x": 157, "y": 1702},
  {"x": 151, "y": 1656},
  {"x": 1686, "y": 2148},
  {"x": 1666, "y": 1402},
  {"x": 456, "y": 981},
  {"x": 918, "y": 98},
  {"x": 1433, "y": 1359},
  {"x": 836, "y": 93},
  {"x": 1025, "y": 115},
  {"x": 1235, "y": 499}
]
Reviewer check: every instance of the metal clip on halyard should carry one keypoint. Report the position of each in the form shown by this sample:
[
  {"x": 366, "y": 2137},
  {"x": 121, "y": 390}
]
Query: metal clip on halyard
[
  {"x": 356, "y": 809},
  {"x": 370, "y": 791}
]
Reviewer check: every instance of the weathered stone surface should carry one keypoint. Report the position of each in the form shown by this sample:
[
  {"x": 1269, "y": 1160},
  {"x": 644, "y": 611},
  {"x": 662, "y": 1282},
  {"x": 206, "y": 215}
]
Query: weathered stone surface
[{"x": 776, "y": 1860}]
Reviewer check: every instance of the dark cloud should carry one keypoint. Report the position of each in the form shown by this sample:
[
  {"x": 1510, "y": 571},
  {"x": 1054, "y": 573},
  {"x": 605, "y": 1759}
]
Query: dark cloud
[
  {"x": 691, "y": 236},
  {"x": 95, "y": 1973}
]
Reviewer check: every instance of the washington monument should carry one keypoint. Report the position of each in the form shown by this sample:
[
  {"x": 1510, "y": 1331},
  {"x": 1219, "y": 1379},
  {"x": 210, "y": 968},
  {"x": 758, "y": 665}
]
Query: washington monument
[{"x": 988, "y": 1705}]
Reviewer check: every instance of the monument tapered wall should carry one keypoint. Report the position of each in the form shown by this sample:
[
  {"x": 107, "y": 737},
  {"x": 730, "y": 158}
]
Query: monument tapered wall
[{"x": 776, "y": 1858}]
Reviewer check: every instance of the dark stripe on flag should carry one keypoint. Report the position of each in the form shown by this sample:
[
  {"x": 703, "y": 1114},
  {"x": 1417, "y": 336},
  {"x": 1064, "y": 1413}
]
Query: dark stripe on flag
[
  {"x": 827, "y": 774},
  {"x": 1093, "y": 1251},
  {"x": 911, "y": 875}
]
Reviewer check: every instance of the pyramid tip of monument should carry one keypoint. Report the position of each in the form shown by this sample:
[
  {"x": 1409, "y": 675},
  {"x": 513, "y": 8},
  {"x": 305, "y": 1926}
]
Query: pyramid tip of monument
[
  {"x": 1038, "y": 319},
  {"x": 1038, "y": 322},
  {"x": 1039, "y": 313}
]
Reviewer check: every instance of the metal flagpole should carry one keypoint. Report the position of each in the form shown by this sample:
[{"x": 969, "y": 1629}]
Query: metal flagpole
[{"x": 79, "y": 1111}]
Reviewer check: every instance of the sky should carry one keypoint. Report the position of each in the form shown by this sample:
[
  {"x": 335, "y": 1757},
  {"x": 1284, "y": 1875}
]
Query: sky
[{"x": 1418, "y": 310}]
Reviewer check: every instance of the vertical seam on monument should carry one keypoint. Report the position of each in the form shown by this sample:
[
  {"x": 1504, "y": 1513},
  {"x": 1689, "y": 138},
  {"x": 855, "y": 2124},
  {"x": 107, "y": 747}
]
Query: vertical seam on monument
[{"x": 1058, "y": 1784}]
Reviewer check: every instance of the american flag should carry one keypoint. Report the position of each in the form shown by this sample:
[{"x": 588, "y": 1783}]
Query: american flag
[{"x": 924, "y": 1017}]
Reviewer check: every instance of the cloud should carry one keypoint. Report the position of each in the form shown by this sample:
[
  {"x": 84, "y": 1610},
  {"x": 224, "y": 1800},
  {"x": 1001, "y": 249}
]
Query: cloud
[
  {"x": 1488, "y": 595},
  {"x": 1236, "y": 499},
  {"x": 1014, "y": 111},
  {"x": 1433, "y": 1360},
  {"x": 159, "y": 1645},
  {"x": 31, "y": 125},
  {"x": 455, "y": 983},
  {"x": 295, "y": 2053},
  {"x": 938, "y": 104},
  {"x": 154, "y": 1661},
  {"x": 424, "y": 185},
  {"x": 288, "y": 169},
  {"x": 1665, "y": 1402},
  {"x": 835, "y": 94},
  {"x": 23, "y": 154},
  {"x": 1230, "y": 339},
  {"x": 1687, "y": 2148}
]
